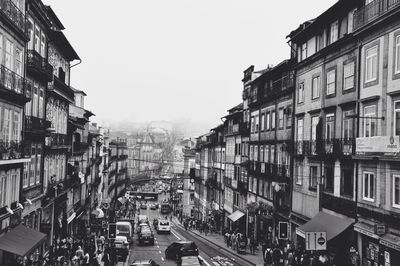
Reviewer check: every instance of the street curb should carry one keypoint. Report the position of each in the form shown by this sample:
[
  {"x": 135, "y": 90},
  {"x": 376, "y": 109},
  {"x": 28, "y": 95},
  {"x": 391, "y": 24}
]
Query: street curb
[{"x": 221, "y": 247}]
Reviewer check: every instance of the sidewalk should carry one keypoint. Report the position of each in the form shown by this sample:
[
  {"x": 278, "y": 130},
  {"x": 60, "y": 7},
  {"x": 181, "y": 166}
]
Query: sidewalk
[{"x": 218, "y": 240}]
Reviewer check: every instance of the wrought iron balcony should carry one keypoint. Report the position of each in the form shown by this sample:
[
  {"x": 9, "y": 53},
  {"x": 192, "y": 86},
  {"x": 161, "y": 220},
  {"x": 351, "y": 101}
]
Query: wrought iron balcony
[
  {"x": 33, "y": 123},
  {"x": 373, "y": 10},
  {"x": 13, "y": 14},
  {"x": 11, "y": 81},
  {"x": 300, "y": 147},
  {"x": 332, "y": 147},
  {"x": 56, "y": 139},
  {"x": 11, "y": 150},
  {"x": 283, "y": 83},
  {"x": 39, "y": 66},
  {"x": 62, "y": 87}
]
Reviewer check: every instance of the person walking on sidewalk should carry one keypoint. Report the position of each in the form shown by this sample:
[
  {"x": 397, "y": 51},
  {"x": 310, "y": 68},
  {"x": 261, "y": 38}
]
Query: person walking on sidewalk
[
  {"x": 252, "y": 244},
  {"x": 234, "y": 244},
  {"x": 206, "y": 228},
  {"x": 268, "y": 259}
]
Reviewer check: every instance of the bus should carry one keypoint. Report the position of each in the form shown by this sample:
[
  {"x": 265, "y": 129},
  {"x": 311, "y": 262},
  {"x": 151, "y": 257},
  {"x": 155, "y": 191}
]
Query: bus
[
  {"x": 165, "y": 208},
  {"x": 153, "y": 196}
]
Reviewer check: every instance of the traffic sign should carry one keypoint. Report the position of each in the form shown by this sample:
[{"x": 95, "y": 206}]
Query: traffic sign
[
  {"x": 316, "y": 240},
  {"x": 112, "y": 231},
  {"x": 283, "y": 230}
]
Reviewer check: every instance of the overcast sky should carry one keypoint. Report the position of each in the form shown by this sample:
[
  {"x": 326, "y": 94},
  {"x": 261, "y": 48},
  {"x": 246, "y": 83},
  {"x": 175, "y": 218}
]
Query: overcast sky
[{"x": 174, "y": 59}]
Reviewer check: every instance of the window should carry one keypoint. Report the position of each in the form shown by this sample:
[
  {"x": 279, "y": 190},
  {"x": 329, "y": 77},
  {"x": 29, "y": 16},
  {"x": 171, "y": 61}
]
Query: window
[
  {"x": 347, "y": 125},
  {"x": 38, "y": 162},
  {"x": 266, "y": 156},
  {"x": 37, "y": 39},
  {"x": 18, "y": 61},
  {"x": 267, "y": 121},
  {"x": 348, "y": 76},
  {"x": 396, "y": 191},
  {"x": 397, "y": 118},
  {"x": 31, "y": 33},
  {"x": 331, "y": 82},
  {"x": 330, "y": 178},
  {"x": 371, "y": 64},
  {"x": 261, "y": 153},
  {"x": 369, "y": 122},
  {"x": 16, "y": 126},
  {"x": 300, "y": 129},
  {"x": 280, "y": 118},
  {"x": 251, "y": 152},
  {"x": 43, "y": 45},
  {"x": 6, "y": 124},
  {"x": 316, "y": 83},
  {"x": 289, "y": 117},
  {"x": 314, "y": 123},
  {"x": 35, "y": 99},
  {"x": 252, "y": 124},
  {"x": 346, "y": 181},
  {"x": 262, "y": 122},
  {"x": 272, "y": 153},
  {"x": 397, "y": 55},
  {"x": 304, "y": 51},
  {"x": 300, "y": 93},
  {"x": 369, "y": 186},
  {"x": 350, "y": 19},
  {"x": 32, "y": 166},
  {"x": 9, "y": 49},
  {"x": 3, "y": 188},
  {"x": 257, "y": 123},
  {"x": 273, "y": 121},
  {"x": 255, "y": 153},
  {"x": 41, "y": 103},
  {"x": 313, "y": 177},
  {"x": 330, "y": 127},
  {"x": 334, "y": 33}
]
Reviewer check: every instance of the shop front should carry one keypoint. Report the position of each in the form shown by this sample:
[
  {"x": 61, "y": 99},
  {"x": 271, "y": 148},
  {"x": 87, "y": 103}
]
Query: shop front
[
  {"x": 264, "y": 223},
  {"x": 238, "y": 221},
  {"x": 377, "y": 247}
]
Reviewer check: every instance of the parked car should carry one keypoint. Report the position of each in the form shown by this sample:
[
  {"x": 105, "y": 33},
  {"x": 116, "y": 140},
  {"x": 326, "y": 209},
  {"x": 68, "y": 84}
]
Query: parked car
[
  {"x": 153, "y": 207},
  {"x": 143, "y": 219},
  {"x": 143, "y": 206},
  {"x": 190, "y": 261},
  {"x": 181, "y": 248},
  {"x": 142, "y": 226},
  {"x": 149, "y": 262},
  {"x": 146, "y": 236},
  {"x": 163, "y": 226}
]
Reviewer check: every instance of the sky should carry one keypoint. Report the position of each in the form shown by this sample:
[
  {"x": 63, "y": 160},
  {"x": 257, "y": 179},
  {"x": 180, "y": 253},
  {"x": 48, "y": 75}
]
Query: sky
[{"x": 174, "y": 59}]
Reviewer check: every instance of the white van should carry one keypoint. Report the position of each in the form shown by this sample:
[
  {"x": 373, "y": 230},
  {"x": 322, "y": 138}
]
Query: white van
[
  {"x": 164, "y": 226},
  {"x": 125, "y": 229}
]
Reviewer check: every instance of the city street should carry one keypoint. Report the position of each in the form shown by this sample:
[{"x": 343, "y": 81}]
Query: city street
[{"x": 211, "y": 254}]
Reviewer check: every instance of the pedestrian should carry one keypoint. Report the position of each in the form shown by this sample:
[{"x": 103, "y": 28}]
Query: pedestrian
[
  {"x": 79, "y": 252},
  {"x": 252, "y": 244},
  {"x": 268, "y": 259},
  {"x": 185, "y": 224},
  {"x": 206, "y": 228},
  {"x": 277, "y": 256},
  {"x": 233, "y": 237},
  {"x": 106, "y": 257}
]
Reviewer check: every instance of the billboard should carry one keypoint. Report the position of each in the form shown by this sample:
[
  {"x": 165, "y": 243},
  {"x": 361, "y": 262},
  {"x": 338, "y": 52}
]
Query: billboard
[{"x": 378, "y": 144}]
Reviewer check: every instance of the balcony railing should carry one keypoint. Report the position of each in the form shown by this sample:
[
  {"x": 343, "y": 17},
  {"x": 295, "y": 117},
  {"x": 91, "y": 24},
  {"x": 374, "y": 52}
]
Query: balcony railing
[
  {"x": 61, "y": 86},
  {"x": 283, "y": 83},
  {"x": 12, "y": 81},
  {"x": 36, "y": 123},
  {"x": 39, "y": 65},
  {"x": 56, "y": 139},
  {"x": 11, "y": 11},
  {"x": 11, "y": 150},
  {"x": 332, "y": 147},
  {"x": 372, "y": 11}
]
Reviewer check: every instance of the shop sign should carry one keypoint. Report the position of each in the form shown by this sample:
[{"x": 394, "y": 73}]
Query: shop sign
[
  {"x": 378, "y": 144},
  {"x": 380, "y": 229},
  {"x": 71, "y": 217},
  {"x": 365, "y": 232},
  {"x": 316, "y": 240},
  {"x": 389, "y": 244}
]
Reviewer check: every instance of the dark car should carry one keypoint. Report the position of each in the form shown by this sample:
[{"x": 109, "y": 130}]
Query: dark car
[
  {"x": 146, "y": 236},
  {"x": 149, "y": 262},
  {"x": 153, "y": 206},
  {"x": 181, "y": 248},
  {"x": 143, "y": 206}
]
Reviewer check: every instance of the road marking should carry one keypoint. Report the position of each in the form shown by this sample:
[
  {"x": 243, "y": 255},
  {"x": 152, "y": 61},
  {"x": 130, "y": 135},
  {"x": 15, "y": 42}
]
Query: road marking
[
  {"x": 204, "y": 261},
  {"x": 159, "y": 251},
  {"x": 175, "y": 235},
  {"x": 158, "y": 246},
  {"x": 162, "y": 258}
]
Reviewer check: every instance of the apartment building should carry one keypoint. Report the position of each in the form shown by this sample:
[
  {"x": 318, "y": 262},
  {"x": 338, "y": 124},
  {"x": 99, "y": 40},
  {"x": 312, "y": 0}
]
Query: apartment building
[
  {"x": 269, "y": 190},
  {"x": 15, "y": 93},
  {"x": 118, "y": 168}
]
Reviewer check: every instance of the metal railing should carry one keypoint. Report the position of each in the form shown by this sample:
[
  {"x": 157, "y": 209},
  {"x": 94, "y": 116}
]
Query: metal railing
[
  {"x": 373, "y": 10},
  {"x": 12, "y": 12},
  {"x": 12, "y": 81},
  {"x": 56, "y": 139},
  {"x": 11, "y": 150}
]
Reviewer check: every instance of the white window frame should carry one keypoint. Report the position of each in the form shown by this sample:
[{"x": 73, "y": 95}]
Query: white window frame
[
  {"x": 329, "y": 81},
  {"x": 267, "y": 121},
  {"x": 396, "y": 205},
  {"x": 347, "y": 124},
  {"x": 397, "y": 55},
  {"x": 304, "y": 51},
  {"x": 368, "y": 197},
  {"x": 299, "y": 174},
  {"x": 316, "y": 85},
  {"x": 300, "y": 129},
  {"x": 334, "y": 31},
  {"x": 371, "y": 120},
  {"x": 330, "y": 121},
  {"x": 371, "y": 64},
  {"x": 346, "y": 75},
  {"x": 350, "y": 20},
  {"x": 262, "y": 122},
  {"x": 273, "y": 119}
]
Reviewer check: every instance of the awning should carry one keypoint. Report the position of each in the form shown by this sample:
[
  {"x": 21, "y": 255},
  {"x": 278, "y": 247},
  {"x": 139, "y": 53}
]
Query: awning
[
  {"x": 236, "y": 215},
  {"x": 21, "y": 240},
  {"x": 98, "y": 212},
  {"x": 324, "y": 222}
]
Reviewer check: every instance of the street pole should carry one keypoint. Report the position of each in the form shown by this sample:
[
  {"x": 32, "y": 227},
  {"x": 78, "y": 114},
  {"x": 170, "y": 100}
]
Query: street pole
[{"x": 247, "y": 222}]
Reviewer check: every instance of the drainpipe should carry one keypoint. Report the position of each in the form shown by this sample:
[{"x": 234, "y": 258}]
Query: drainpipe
[{"x": 357, "y": 124}]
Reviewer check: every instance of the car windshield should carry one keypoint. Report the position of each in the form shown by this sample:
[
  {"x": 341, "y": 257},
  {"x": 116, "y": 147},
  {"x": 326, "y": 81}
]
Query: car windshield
[
  {"x": 164, "y": 223},
  {"x": 188, "y": 246},
  {"x": 123, "y": 228}
]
